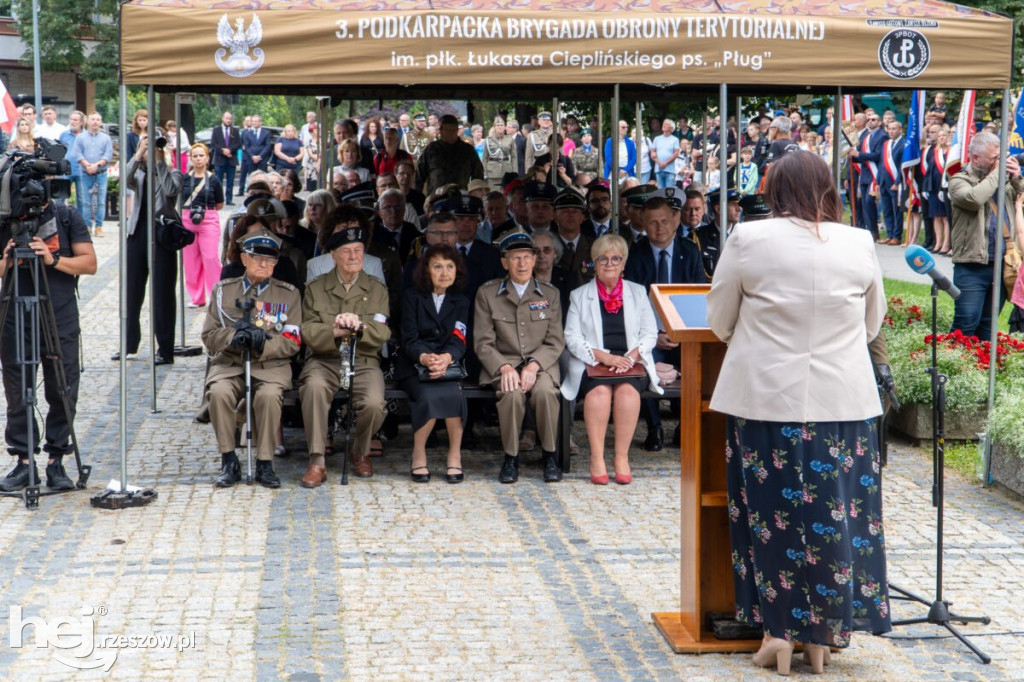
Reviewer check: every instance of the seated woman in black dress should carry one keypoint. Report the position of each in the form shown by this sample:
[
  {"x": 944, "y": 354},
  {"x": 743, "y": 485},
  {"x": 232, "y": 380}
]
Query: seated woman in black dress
[
  {"x": 433, "y": 332},
  {"x": 617, "y": 315}
]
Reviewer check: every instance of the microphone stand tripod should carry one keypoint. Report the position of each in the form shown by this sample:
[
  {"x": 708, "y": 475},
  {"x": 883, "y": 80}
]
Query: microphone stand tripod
[{"x": 938, "y": 611}]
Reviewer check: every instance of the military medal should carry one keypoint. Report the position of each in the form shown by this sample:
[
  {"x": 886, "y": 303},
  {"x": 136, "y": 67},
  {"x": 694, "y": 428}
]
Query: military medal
[
  {"x": 278, "y": 327},
  {"x": 259, "y": 322}
]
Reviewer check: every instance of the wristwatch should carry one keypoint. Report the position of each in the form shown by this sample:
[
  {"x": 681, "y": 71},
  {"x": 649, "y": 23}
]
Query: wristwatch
[{"x": 56, "y": 259}]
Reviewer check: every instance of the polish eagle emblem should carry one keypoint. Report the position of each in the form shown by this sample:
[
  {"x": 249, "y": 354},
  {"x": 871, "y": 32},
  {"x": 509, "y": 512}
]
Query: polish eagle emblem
[{"x": 234, "y": 58}]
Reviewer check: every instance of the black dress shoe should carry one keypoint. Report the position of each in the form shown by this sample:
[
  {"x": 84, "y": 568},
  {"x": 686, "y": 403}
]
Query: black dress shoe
[
  {"x": 454, "y": 478},
  {"x": 422, "y": 477},
  {"x": 552, "y": 472},
  {"x": 161, "y": 360},
  {"x": 230, "y": 472},
  {"x": 57, "y": 478},
  {"x": 655, "y": 440},
  {"x": 509, "y": 470},
  {"x": 265, "y": 475},
  {"x": 675, "y": 437},
  {"x": 18, "y": 478}
]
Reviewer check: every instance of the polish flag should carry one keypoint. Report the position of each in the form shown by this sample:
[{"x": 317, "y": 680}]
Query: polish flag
[
  {"x": 8, "y": 112},
  {"x": 847, "y": 109},
  {"x": 959, "y": 153}
]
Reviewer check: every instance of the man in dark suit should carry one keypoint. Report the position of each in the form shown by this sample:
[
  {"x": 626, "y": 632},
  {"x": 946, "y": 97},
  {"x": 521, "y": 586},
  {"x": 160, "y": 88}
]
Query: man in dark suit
[
  {"x": 512, "y": 127},
  {"x": 540, "y": 206},
  {"x": 663, "y": 256},
  {"x": 890, "y": 181},
  {"x": 575, "y": 258},
  {"x": 599, "y": 208},
  {"x": 391, "y": 231},
  {"x": 483, "y": 262},
  {"x": 224, "y": 145},
  {"x": 256, "y": 148},
  {"x": 869, "y": 153}
]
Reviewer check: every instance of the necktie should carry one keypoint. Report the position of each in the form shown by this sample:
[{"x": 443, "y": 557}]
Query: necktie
[
  {"x": 601, "y": 229},
  {"x": 570, "y": 252},
  {"x": 464, "y": 251},
  {"x": 227, "y": 135},
  {"x": 664, "y": 275}
]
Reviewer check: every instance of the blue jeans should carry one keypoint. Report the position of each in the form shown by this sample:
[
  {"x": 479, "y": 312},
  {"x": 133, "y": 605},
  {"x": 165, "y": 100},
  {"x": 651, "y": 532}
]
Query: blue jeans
[
  {"x": 226, "y": 175},
  {"x": 972, "y": 312},
  {"x": 666, "y": 178},
  {"x": 86, "y": 183}
]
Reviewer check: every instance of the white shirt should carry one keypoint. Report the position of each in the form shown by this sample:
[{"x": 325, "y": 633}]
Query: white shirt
[
  {"x": 520, "y": 288},
  {"x": 438, "y": 301},
  {"x": 50, "y": 132}
]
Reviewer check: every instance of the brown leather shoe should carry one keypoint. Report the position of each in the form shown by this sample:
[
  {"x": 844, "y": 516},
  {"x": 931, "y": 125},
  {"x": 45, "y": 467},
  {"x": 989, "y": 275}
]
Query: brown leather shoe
[
  {"x": 892, "y": 242},
  {"x": 314, "y": 477},
  {"x": 361, "y": 466}
]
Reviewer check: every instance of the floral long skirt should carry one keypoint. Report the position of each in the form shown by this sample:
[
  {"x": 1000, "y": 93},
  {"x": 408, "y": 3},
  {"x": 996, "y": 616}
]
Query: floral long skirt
[{"x": 805, "y": 511}]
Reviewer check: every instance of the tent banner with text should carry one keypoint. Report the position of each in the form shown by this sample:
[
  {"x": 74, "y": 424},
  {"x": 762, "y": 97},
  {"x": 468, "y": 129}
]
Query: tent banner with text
[{"x": 169, "y": 45}]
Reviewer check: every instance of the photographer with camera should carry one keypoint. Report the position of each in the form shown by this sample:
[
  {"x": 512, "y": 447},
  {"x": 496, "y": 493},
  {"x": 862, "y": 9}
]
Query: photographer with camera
[
  {"x": 165, "y": 264},
  {"x": 202, "y": 196},
  {"x": 60, "y": 240}
]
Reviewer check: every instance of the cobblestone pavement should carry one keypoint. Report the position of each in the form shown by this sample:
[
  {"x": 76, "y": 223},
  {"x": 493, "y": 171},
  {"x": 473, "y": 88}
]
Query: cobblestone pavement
[{"x": 388, "y": 580}]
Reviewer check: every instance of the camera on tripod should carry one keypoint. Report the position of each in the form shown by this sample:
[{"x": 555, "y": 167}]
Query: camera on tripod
[{"x": 25, "y": 186}]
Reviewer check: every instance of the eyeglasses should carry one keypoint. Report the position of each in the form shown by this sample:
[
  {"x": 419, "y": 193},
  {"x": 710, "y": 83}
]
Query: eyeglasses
[{"x": 609, "y": 260}]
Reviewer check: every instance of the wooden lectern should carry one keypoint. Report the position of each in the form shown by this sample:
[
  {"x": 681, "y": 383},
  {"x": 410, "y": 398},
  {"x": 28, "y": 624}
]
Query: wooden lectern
[{"x": 706, "y": 563}]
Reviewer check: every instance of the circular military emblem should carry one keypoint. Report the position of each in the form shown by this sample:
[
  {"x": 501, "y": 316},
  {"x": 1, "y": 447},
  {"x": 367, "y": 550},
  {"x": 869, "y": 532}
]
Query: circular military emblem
[{"x": 904, "y": 53}]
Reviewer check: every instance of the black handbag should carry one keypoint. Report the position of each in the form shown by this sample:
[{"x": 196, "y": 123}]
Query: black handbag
[
  {"x": 454, "y": 372},
  {"x": 171, "y": 234}
]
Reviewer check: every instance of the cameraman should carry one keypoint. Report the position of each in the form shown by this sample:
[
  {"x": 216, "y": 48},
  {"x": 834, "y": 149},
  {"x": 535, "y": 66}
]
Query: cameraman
[
  {"x": 65, "y": 251},
  {"x": 165, "y": 263}
]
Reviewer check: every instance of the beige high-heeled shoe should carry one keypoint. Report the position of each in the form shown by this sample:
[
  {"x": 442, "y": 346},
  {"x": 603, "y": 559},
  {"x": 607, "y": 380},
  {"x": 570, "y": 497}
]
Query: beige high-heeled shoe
[
  {"x": 817, "y": 657},
  {"x": 777, "y": 652}
]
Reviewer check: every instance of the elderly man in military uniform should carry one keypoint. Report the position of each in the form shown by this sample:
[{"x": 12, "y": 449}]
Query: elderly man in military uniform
[
  {"x": 538, "y": 141},
  {"x": 417, "y": 138},
  {"x": 585, "y": 158},
  {"x": 517, "y": 331},
  {"x": 272, "y": 337},
  {"x": 337, "y": 305},
  {"x": 499, "y": 154}
]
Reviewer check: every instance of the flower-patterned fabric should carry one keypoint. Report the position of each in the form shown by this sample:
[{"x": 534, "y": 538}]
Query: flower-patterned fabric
[{"x": 805, "y": 519}]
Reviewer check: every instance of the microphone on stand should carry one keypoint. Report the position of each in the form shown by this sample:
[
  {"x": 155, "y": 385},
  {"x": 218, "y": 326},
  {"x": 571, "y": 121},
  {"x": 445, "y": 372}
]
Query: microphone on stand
[{"x": 921, "y": 262}]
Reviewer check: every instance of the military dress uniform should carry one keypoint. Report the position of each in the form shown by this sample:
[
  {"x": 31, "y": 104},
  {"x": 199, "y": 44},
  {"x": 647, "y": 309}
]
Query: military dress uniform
[
  {"x": 538, "y": 141},
  {"x": 326, "y": 297},
  {"x": 415, "y": 140},
  {"x": 586, "y": 159},
  {"x": 511, "y": 330},
  {"x": 278, "y": 313},
  {"x": 499, "y": 159}
]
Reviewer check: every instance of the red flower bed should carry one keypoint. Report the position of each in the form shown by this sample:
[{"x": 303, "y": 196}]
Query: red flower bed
[
  {"x": 980, "y": 350},
  {"x": 902, "y": 315}
]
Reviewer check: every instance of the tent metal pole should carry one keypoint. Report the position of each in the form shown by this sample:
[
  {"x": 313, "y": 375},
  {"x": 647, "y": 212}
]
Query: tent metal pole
[
  {"x": 323, "y": 112},
  {"x": 837, "y": 130},
  {"x": 639, "y": 139},
  {"x": 122, "y": 298},
  {"x": 149, "y": 231},
  {"x": 997, "y": 284},
  {"x": 704, "y": 148},
  {"x": 553, "y": 148},
  {"x": 181, "y": 257},
  {"x": 598, "y": 138},
  {"x": 723, "y": 157},
  {"x": 613, "y": 173}
]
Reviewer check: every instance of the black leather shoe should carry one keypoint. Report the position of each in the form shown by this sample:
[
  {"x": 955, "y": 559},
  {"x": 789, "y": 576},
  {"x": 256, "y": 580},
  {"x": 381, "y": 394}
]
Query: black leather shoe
[
  {"x": 509, "y": 470},
  {"x": 422, "y": 477},
  {"x": 457, "y": 477},
  {"x": 161, "y": 360},
  {"x": 655, "y": 440},
  {"x": 230, "y": 472},
  {"x": 57, "y": 478},
  {"x": 675, "y": 437},
  {"x": 265, "y": 475},
  {"x": 552, "y": 472},
  {"x": 18, "y": 478}
]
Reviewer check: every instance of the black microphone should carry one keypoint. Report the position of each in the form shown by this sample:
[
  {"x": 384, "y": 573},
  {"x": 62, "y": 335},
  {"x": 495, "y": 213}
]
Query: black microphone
[{"x": 921, "y": 262}]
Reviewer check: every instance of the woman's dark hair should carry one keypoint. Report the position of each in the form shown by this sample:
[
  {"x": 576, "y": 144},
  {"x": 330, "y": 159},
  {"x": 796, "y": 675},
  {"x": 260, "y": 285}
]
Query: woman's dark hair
[
  {"x": 800, "y": 185},
  {"x": 421, "y": 273},
  {"x": 345, "y": 213},
  {"x": 241, "y": 228},
  {"x": 292, "y": 177}
]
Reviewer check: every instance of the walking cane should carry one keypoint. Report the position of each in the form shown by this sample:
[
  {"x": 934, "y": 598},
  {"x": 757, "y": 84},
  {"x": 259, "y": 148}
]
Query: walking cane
[
  {"x": 348, "y": 372},
  {"x": 246, "y": 305}
]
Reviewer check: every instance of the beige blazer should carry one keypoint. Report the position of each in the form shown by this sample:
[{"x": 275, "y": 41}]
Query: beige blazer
[{"x": 797, "y": 312}]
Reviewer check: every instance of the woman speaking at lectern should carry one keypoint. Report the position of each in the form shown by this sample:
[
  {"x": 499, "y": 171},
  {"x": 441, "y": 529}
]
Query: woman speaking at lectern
[{"x": 797, "y": 298}]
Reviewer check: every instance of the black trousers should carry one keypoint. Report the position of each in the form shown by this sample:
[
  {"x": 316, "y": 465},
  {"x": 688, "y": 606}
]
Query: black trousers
[
  {"x": 19, "y": 419},
  {"x": 165, "y": 279}
]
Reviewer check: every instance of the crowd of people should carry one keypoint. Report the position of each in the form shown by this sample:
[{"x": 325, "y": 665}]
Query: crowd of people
[{"x": 435, "y": 254}]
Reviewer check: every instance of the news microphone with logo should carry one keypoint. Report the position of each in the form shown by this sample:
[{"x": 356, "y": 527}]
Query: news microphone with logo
[{"x": 921, "y": 262}]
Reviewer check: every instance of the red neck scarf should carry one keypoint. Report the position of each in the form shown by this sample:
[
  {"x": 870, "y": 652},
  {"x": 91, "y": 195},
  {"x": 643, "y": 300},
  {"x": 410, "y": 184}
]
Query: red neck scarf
[{"x": 612, "y": 299}]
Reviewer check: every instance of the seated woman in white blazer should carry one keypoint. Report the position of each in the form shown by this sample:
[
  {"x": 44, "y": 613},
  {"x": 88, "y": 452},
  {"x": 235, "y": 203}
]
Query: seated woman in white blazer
[{"x": 610, "y": 322}]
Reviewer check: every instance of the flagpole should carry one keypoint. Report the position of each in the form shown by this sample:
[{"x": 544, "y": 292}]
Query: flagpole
[{"x": 37, "y": 81}]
